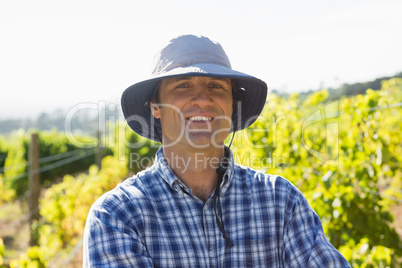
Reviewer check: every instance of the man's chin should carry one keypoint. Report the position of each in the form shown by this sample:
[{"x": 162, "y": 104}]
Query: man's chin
[{"x": 200, "y": 140}]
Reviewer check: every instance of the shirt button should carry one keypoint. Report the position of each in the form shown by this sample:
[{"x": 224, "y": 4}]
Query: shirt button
[{"x": 211, "y": 253}]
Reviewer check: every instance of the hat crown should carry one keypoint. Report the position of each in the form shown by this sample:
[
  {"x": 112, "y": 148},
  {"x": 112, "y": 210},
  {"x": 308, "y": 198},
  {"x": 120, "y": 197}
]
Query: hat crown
[{"x": 189, "y": 50}]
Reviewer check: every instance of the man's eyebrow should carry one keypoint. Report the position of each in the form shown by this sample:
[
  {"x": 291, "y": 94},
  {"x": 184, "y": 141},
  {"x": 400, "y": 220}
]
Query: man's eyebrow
[
  {"x": 189, "y": 78},
  {"x": 223, "y": 79},
  {"x": 181, "y": 78}
]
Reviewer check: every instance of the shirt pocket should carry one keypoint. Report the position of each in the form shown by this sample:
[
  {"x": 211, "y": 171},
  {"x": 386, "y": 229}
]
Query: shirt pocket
[{"x": 253, "y": 253}]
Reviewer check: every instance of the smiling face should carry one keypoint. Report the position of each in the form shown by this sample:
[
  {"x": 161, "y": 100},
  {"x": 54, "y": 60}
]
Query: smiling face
[{"x": 194, "y": 111}]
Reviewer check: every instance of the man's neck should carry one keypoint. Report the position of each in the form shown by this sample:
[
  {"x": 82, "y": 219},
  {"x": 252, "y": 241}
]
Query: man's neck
[{"x": 195, "y": 168}]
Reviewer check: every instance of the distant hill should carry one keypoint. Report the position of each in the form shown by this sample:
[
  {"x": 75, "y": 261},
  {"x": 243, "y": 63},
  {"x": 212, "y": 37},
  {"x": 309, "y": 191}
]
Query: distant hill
[
  {"x": 83, "y": 122},
  {"x": 346, "y": 89}
]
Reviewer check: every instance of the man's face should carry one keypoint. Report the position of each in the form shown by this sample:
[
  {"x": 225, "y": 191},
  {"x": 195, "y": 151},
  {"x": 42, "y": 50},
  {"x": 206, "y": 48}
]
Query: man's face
[{"x": 194, "y": 111}]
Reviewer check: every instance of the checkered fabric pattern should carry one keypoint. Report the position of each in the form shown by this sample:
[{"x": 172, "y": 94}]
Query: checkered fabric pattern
[{"x": 154, "y": 220}]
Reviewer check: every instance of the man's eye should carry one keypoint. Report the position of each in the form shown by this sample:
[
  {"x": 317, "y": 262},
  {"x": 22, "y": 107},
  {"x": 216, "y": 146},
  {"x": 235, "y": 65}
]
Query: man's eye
[
  {"x": 182, "y": 86},
  {"x": 215, "y": 86}
]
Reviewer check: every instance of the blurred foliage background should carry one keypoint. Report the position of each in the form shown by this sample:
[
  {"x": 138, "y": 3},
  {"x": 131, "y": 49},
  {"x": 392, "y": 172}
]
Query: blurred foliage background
[{"x": 343, "y": 153}]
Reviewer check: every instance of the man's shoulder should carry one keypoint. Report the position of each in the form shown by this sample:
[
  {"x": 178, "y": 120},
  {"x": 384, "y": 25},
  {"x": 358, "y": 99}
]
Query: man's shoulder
[
  {"x": 131, "y": 191},
  {"x": 255, "y": 175},
  {"x": 280, "y": 186}
]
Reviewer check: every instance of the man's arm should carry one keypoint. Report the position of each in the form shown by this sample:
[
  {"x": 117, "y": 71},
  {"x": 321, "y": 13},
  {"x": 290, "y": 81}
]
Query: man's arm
[
  {"x": 110, "y": 242},
  {"x": 305, "y": 244}
]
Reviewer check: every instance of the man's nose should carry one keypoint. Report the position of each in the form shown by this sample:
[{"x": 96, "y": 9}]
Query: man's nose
[{"x": 201, "y": 97}]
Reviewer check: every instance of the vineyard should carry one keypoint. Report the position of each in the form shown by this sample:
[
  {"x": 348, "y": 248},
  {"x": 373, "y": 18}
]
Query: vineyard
[{"x": 344, "y": 155}]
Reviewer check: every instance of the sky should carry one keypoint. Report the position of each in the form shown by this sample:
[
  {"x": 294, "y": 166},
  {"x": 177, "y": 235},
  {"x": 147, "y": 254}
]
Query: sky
[{"x": 60, "y": 54}]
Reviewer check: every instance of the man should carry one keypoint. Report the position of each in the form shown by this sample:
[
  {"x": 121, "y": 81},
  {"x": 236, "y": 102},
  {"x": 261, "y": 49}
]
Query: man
[{"x": 195, "y": 207}]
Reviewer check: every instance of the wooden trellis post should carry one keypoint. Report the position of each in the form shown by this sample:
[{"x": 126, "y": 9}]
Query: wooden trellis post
[
  {"x": 100, "y": 150},
  {"x": 34, "y": 185}
]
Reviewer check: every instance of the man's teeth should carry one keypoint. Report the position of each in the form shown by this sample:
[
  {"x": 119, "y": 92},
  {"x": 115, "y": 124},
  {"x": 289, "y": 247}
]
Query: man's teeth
[{"x": 200, "y": 118}]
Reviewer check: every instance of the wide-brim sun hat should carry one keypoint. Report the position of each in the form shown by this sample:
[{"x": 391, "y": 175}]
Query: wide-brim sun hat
[{"x": 190, "y": 55}]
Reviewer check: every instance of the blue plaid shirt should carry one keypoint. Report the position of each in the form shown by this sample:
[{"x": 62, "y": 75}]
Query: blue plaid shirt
[{"x": 153, "y": 220}]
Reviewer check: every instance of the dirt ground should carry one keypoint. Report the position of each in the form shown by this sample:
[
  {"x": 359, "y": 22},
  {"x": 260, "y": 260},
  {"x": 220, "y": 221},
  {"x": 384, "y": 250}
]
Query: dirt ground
[
  {"x": 14, "y": 229},
  {"x": 77, "y": 261},
  {"x": 397, "y": 224}
]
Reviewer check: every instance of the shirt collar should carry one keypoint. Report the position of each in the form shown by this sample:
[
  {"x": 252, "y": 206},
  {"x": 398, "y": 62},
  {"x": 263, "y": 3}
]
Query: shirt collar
[
  {"x": 167, "y": 174},
  {"x": 228, "y": 177},
  {"x": 163, "y": 169}
]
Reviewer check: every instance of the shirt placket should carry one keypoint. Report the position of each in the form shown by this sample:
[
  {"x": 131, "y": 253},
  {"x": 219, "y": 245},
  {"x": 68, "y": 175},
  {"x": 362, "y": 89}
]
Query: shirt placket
[
  {"x": 213, "y": 236},
  {"x": 186, "y": 195}
]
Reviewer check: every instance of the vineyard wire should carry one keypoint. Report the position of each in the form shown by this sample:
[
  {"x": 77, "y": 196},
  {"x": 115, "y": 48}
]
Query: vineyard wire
[
  {"x": 20, "y": 176},
  {"x": 73, "y": 252},
  {"x": 46, "y": 159},
  {"x": 61, "y": 155},
  {"x": 381, "y": 194},
  {"x": 15, "y": 165},
  {"x": 394, "y": 105},
  {"x": 54, "y": 165},
  {"x": 66, "y": 161}
]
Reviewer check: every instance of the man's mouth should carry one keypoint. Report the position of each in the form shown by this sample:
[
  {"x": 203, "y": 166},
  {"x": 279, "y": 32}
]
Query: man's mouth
[{"x": 199, "y": 118}]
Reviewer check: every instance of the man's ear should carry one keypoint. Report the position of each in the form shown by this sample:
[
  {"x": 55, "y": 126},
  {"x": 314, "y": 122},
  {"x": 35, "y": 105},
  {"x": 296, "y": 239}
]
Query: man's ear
[{"x": 154, "y": 109}]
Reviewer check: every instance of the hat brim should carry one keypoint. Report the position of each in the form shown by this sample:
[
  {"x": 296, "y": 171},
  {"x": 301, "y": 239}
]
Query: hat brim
[{"x": 137, "y": 113}]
